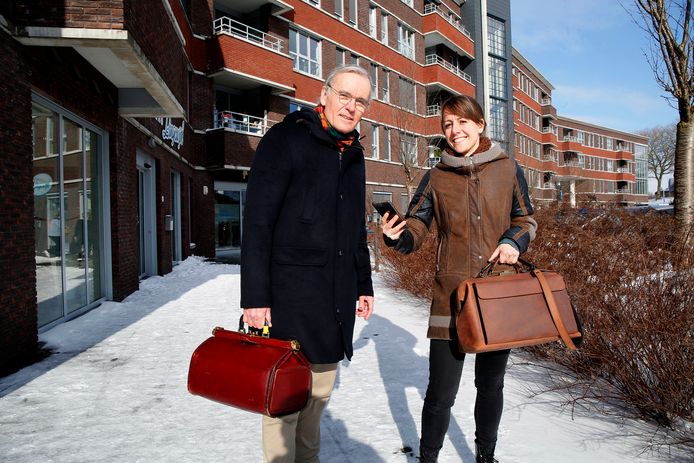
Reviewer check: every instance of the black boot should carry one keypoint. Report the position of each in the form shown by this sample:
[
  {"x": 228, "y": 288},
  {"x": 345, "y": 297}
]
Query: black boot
[{"x": 485, "y": 453}]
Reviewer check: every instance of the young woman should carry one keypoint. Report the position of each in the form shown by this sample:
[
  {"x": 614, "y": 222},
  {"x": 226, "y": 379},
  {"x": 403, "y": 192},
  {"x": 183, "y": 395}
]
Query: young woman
[{"x": 478, "y": 197}]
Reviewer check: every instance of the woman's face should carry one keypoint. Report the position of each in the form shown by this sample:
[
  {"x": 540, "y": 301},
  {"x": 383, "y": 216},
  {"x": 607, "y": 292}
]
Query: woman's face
[{"x": 462, "y": 134}]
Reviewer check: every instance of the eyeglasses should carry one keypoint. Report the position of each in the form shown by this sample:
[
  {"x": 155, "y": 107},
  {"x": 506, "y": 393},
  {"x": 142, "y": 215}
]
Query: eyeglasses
[{"x": 361, "y": 104}]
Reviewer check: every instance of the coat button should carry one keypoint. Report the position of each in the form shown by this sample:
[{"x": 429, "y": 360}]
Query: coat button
[
  {"x": 340, "y": 195},
  {"x": 478, "y": 217},
  {"x": 339, "y": 253}
]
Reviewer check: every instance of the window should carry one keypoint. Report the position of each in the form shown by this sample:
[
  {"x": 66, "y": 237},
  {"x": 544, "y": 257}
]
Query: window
[
  {"x": 496, "y": 33},
  {"x": 373, "y": 19},
  {"x": 409, "y": 3},
  {"x": 408, "y": 148},
  {"x": 384, "y": 28},
  {"x": 374, "y": 80},
  {"x": 374, "y": 141},
  {"x": 404, "y": 202},
  {"x": 379, "y": 197},
  {"x": 497, "y": 77},
  {"x": 297, "y": 106},
  {"x": 497, "y": 119},
  {"x": 386, "y": 86},
  {"x": 339, "y": 56},
  {"x": 312, "y": 2},
  {"x": 305, "y": 51},
  {"x": 353, "y": 12},
  {"x": 386, "y": 144},
  {"x": 407, "y": 94},
  {"x": 405, "y": 41},
  {"x": 353, "y": 59},
  {"x": 339, "y": 8}
]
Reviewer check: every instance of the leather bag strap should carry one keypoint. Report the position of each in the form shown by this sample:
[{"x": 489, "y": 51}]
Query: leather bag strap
[{"x": 554, "y": 310}]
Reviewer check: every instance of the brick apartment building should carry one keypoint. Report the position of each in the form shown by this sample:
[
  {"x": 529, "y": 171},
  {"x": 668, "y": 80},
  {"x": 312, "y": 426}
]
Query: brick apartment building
[
  {"x": 568, "y": 159},
  {"x": 129, "y": 127}
]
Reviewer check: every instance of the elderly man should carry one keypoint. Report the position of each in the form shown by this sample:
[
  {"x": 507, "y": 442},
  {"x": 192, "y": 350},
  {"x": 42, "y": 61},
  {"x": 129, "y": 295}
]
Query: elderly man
[{"x": 304, "y": 259}]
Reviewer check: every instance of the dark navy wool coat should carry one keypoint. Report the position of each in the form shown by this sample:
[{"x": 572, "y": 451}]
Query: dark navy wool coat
[{"x": 304, "y": 251}]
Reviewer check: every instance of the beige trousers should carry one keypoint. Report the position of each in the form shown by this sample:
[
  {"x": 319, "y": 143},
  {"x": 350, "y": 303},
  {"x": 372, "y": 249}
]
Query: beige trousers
[{"x": 295, "y": 438}]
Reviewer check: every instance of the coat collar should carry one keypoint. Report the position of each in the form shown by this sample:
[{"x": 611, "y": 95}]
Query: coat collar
[
  {"x": 474, "y": 162},
  {"x": 311, "y": 120}
]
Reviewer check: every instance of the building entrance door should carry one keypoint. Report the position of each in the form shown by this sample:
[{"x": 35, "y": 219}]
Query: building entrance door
[{"x": 146, "y": 215}]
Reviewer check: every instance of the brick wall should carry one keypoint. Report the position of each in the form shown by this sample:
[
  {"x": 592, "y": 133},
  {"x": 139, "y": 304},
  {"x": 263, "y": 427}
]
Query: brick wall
[
  {"x": 201, "y": 102},
  {"x": 153, "y": 30},
  {"x": 18, "y": 316},
  {"x": 94, "y": 14},
  {"x": 124, "y": 244}
]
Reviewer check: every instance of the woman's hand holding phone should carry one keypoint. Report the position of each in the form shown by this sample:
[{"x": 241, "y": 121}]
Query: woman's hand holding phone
[{"x": 392, "y": 226}]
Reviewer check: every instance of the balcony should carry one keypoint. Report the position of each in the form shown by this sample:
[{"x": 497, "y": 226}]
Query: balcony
[
  {"x": 244, "y": 58},
  {"x": 571, "y": 143},
  {"x": 438, "y": 28},
  {"x": 230, "y": 26},
  {"x": 435, "y": 59},
  {"x": 572, "y": 169},
  {"x": 442, "y": 75},
  {"x": 277, "y": 7},
  {"x": 549, "y": 135},
  {"x": 548, "y": 110},
  {"x": 546, "y": 101},
  {"x": 242, "y": 123}
]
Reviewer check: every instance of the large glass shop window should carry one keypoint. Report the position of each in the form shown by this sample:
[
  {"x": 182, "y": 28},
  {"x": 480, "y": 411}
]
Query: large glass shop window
[{"x": 67, "y": 215}]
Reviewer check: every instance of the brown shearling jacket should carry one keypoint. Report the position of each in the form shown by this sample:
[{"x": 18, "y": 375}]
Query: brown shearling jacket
[{"x": 478, "y": 202}]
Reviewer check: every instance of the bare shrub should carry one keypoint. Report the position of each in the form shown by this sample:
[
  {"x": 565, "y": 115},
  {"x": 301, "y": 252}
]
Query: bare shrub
[
  {"x": 413, "y": 273},
  {"x": 625, "y": 276}
]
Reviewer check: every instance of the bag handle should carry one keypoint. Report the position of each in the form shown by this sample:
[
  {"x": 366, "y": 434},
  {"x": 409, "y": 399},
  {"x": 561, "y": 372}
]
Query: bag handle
[
  {"x": 264, "y": 332},
  {"x": 521, "y": 266},
  {"x": 554, "y": 310}
]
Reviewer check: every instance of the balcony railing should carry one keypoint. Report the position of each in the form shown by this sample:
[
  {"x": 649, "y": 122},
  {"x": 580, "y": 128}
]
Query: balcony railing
[
  {"x": 432, "y": 8},
  {"x": 546, "y": 101},
  {"x": 436, "y": 59},
  {"x": 433, "y": 110},
  {"x": 625, "y": 190},
  {"x": 549, "y": 130},
  {"x": 433, "y": 161},
  {"x": 623, "y": 170},
  {"x": 243, "y": 123},
  {"x": 570, "y": 138},
  {"x": 230, "y": 26},
  {"x": 549, "y": 185}
]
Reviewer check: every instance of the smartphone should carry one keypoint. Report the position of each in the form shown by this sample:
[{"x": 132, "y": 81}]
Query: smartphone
[{"x": 386, "y": 206}]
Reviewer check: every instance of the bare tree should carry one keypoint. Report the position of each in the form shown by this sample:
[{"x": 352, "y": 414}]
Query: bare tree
[
  {"x": 669, "y": 25},
  {"x": 661, "y": 152}
]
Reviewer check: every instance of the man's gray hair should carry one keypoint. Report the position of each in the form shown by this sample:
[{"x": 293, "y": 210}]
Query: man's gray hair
[{"x": 352, "y": 68}]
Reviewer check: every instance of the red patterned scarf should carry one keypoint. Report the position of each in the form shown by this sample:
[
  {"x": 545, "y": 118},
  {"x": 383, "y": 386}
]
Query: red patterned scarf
[{"x": 342, "y": 140}]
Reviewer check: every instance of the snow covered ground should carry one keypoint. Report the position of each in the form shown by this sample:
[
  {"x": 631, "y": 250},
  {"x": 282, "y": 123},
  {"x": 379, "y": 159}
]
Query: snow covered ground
[{"x": 115, "y": 391}]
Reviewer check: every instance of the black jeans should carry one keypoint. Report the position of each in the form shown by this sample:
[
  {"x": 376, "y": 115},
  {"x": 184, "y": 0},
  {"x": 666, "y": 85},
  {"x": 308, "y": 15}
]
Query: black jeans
[{"x": 445, "y": 369}]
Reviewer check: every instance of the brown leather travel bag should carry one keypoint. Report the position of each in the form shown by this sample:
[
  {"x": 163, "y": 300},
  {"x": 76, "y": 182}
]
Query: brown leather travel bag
[
  {"x": 251, "y": 372},
  {"x": 504, "y": 311}
]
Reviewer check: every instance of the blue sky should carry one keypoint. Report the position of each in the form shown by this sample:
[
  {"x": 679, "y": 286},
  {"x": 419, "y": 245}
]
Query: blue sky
[{"x": 592, "y": 52}]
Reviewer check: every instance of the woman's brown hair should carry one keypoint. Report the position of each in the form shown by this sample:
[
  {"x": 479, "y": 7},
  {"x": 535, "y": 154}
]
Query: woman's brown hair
[{"x": 464, "y": 106}]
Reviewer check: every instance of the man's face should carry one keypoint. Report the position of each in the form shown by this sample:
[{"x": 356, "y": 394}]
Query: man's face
[{"x": 344, "y": 100}]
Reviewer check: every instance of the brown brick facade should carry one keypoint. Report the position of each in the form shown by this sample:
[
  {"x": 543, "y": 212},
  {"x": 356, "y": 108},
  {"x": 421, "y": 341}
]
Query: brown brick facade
[{"x": 18, "y": 285}]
